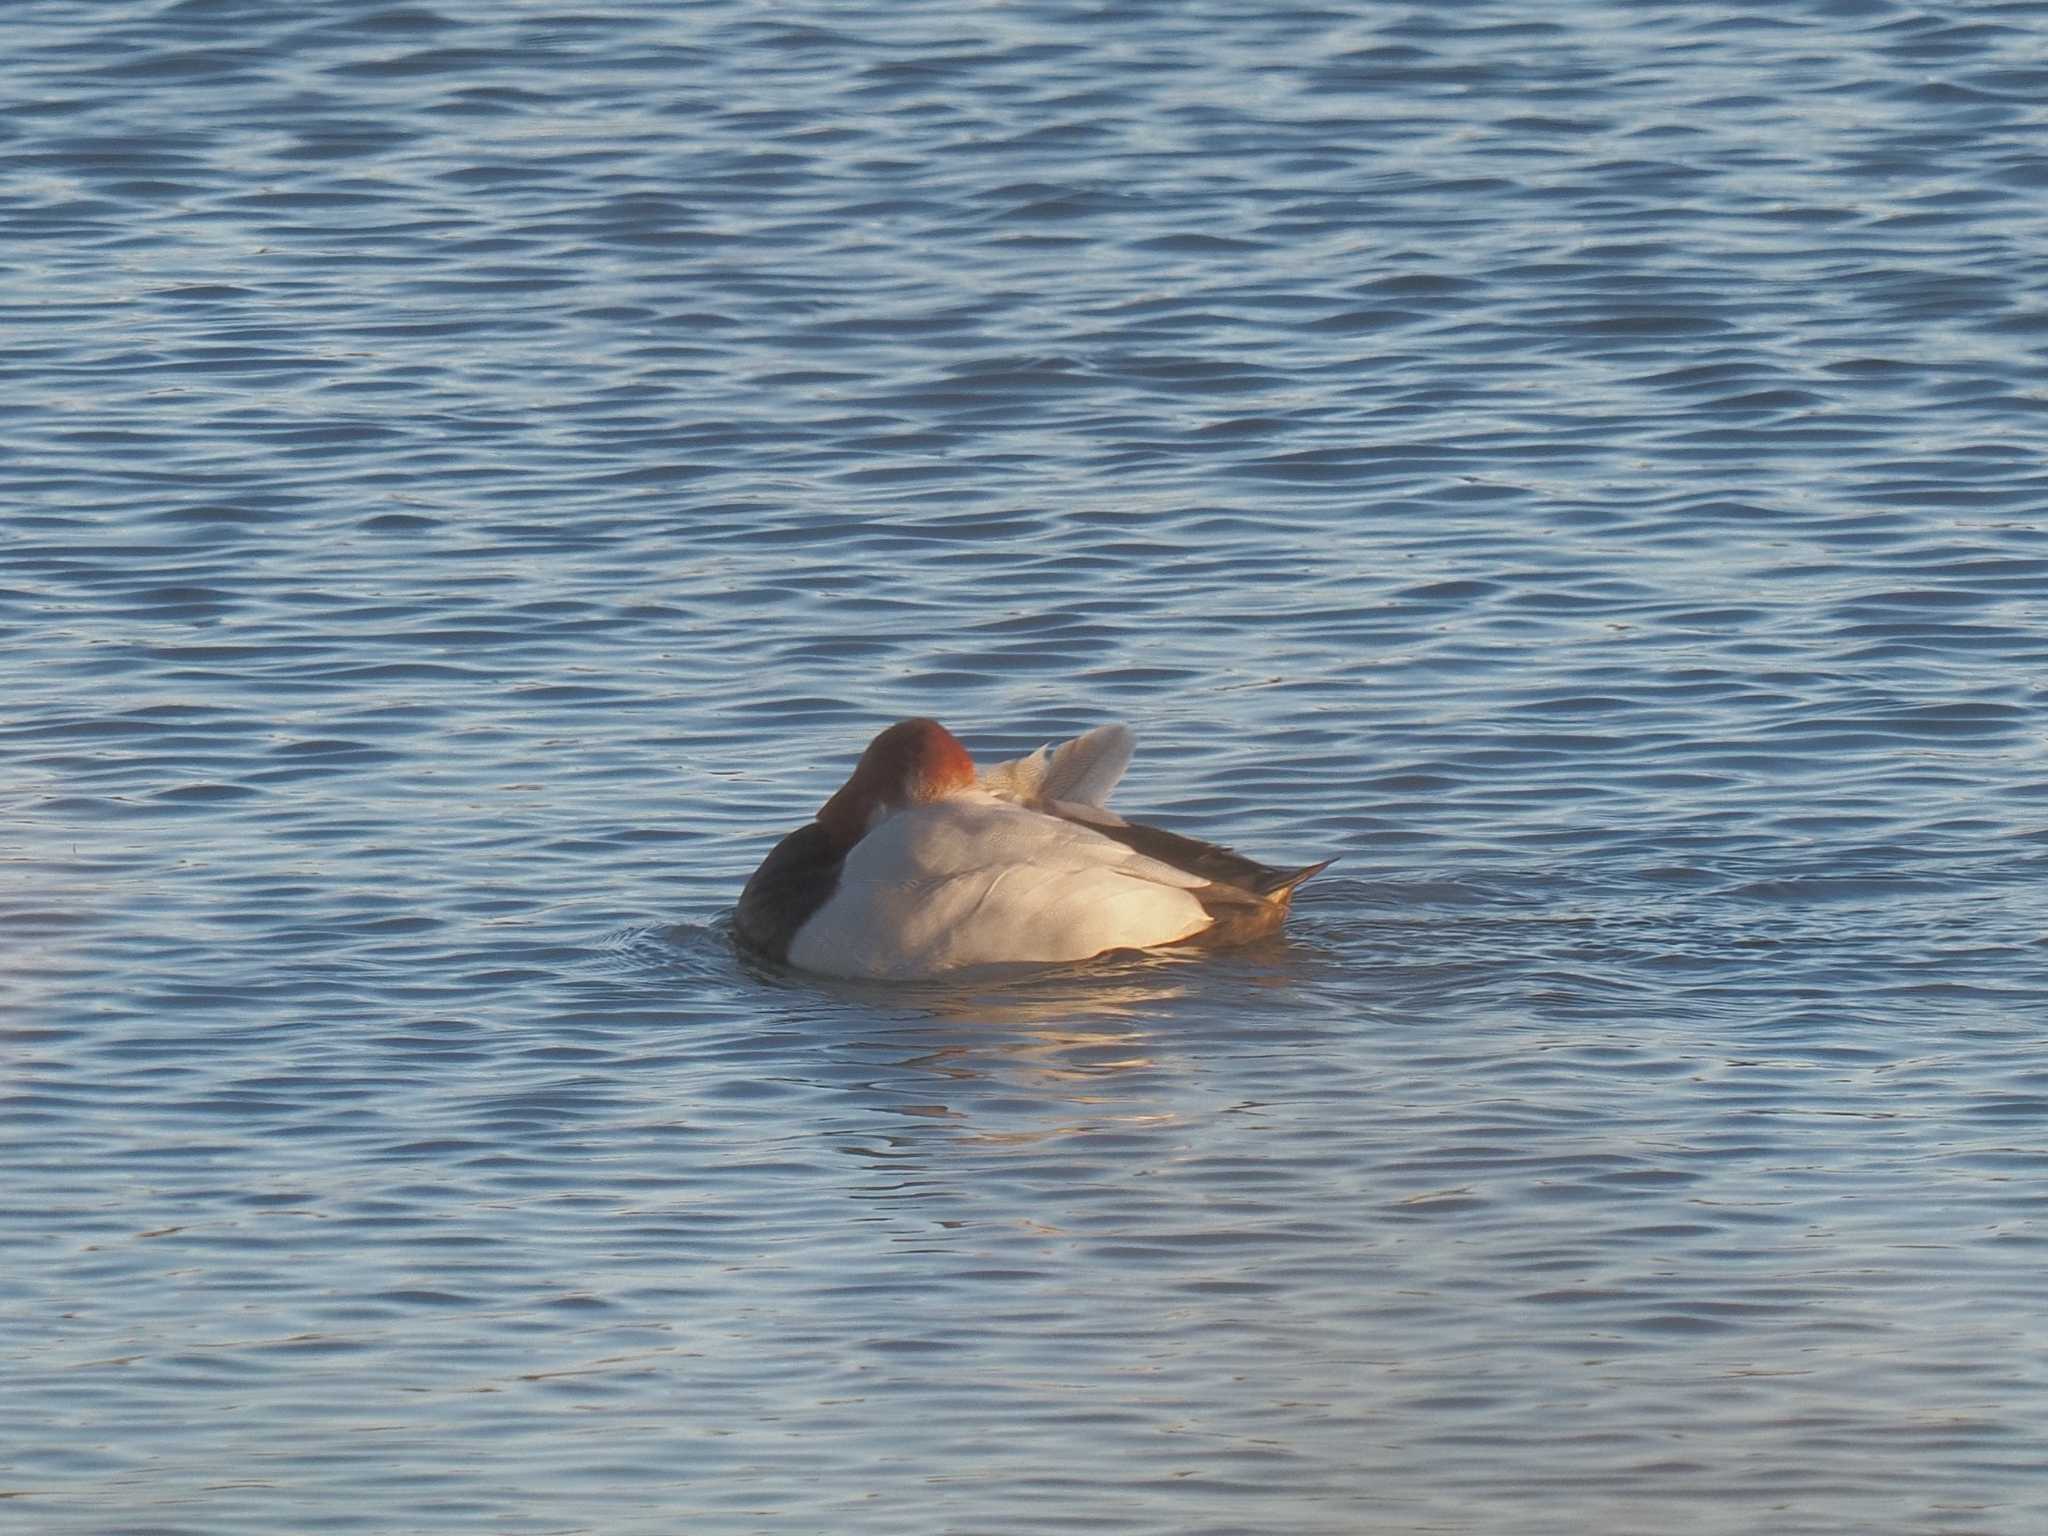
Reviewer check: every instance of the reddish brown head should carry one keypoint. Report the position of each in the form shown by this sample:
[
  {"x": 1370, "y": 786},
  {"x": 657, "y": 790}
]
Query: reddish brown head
[{"x": 911, "y": 762}]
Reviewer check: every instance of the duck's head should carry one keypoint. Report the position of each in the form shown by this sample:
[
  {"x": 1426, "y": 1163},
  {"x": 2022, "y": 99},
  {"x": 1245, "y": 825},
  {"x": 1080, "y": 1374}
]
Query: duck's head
[{"x": 912, "y": 762}]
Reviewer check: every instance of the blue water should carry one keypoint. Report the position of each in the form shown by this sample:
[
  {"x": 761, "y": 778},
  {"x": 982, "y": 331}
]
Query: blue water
[{"x": 472, "y": 476}]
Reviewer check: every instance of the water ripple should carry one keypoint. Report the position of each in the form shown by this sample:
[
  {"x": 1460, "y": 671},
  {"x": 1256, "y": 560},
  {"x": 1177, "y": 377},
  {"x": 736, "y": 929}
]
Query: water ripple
[{"x": 473, "y": 477}]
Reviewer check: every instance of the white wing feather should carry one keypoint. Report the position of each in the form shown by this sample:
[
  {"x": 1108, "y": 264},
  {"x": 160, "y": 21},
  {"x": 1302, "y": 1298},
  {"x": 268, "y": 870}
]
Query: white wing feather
[{"x": 1082, "y": 771}]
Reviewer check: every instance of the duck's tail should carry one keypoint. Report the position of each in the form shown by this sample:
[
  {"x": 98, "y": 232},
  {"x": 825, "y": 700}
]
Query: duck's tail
[
  {"x": 1278, "y": 884},
  {"x": 1239, "y": 913}
]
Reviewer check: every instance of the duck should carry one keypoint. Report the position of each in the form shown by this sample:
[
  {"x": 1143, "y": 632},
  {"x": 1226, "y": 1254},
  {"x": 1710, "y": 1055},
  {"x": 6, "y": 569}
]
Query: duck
[{"x": 922, "y": 865}]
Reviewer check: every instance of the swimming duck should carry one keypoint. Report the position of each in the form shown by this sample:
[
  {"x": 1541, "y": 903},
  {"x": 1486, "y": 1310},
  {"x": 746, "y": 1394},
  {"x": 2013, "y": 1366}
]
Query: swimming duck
[{"x": 921, "y": 864}]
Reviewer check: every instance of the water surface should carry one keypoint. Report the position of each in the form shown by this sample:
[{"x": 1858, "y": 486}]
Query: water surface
[{"x": 471, "y": 477}]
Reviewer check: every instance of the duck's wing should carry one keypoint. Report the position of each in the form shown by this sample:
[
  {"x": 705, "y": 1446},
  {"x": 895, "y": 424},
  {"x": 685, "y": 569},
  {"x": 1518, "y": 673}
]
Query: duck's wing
[
  {"x": 1243, "y": 898},
  {"x": 1210, "y": 862},
  {"x": 1072, "y": 781},
  {"x": 1080, "y": 772}
]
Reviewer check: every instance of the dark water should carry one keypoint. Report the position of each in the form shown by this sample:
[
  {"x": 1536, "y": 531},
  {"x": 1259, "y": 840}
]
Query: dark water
[{"x": 472, "y": 475}]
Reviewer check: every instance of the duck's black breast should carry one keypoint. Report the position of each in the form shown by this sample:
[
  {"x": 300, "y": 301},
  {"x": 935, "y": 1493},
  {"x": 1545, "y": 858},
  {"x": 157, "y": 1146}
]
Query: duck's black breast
[{"x": 796, "y": 879}]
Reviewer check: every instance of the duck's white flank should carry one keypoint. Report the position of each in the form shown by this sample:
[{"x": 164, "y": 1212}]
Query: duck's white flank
[{"x": 977, "y": 878}]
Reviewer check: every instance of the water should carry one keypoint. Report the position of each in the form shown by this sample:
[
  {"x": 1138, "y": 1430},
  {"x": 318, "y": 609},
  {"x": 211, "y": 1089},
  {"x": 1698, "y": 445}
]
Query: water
[{"x": 471, "y": 476}]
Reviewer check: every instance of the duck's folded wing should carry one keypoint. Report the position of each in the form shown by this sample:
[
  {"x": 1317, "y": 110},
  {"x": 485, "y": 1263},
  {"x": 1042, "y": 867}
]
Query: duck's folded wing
[
  {"x": 1243, "y": 898},
  {"x": 1209, "y": 862}
]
